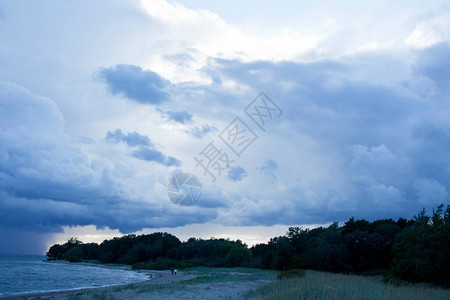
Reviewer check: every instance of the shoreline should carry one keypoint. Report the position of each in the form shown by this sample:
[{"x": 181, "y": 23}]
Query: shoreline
[
  {"x": 153, "y": 274},
  {"x": 90, "y": 264}
]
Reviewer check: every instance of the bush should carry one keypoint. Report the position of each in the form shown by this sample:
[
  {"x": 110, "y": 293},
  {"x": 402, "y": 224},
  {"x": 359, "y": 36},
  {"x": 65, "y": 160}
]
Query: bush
[{"x": 297, "y": 273}]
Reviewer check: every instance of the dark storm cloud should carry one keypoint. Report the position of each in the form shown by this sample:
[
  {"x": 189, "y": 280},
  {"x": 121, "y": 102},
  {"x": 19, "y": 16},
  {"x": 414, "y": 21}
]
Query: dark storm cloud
[
  {"x": 393, "y": 151},
  {"x": 47, "y": 181},
  {"x": 391, "y": 143}
]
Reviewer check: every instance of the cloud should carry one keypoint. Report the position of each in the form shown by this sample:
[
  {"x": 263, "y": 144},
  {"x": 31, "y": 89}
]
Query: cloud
[
  {"x": 131, "y": 81},
  {"x": 350, "y": 145},
  {"x": 200, "y": 132},
  {"x": 146, "y": 150},
  {"x": 434, "y": 63},
  {"x": 365, "y": 128},
  {"x": 53, "y": 169},
  {"x": 182, "y": 117},
  {"x": 269, "y": 168},
  {"x": 200, "y": 29},
  {"x": 236, "y": 173},
  {"x": 213, "y": 197},
  {"x": 334, "y": 153},
  {"x": 37, "y": 158},
  {"x": 183, "y": 59},
  {"x": 48, "y": 181},
  {"x": 15, "y": 98},
  {"x": 131, "y": 139},
  {"x": 388, "y": 197},
  {"x": 375, "y": 164},
  {"x": 430, "y": 191},
  {"x": 150, "y": 154}
]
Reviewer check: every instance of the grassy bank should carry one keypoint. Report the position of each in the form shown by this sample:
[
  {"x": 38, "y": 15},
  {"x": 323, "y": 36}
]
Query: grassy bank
[{"x": 321, "y": 286}]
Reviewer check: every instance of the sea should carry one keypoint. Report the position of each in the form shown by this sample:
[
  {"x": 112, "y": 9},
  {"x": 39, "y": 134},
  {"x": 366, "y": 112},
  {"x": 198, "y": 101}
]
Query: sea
[{"x": 25, "y": 274}]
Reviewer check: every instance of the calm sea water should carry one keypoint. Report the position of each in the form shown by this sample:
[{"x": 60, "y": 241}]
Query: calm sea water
[{"x": 21, "y": 274}]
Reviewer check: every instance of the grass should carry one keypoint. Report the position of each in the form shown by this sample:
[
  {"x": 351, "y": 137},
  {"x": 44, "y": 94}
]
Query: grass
[
  {"x": 289, "y": 274},
  {"x": 232, "y": 274},
  {"x": 313, "y": 285},
  {"x": 321, "y": 286}
]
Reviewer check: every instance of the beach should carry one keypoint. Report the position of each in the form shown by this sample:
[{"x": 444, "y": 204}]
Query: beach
[{"x": 195, "y": 283}]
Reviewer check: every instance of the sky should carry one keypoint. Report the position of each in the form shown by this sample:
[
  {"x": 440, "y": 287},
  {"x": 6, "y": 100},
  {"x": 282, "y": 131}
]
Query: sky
[{"x": 314, "y": 112}]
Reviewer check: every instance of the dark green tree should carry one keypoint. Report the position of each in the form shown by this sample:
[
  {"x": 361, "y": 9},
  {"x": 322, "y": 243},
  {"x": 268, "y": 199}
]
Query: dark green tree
[{"x": 74, "y": 254}]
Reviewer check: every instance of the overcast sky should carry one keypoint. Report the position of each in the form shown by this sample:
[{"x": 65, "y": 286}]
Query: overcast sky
[{"x": 102, "y": 102}]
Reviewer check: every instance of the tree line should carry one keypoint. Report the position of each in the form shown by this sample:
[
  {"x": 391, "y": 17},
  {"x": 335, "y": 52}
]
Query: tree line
[{"x": 415, "y": 250}]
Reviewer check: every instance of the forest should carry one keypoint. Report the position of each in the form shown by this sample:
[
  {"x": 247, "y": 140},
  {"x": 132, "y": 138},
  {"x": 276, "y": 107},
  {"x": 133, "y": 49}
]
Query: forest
[{"x": 415, "y": 250}]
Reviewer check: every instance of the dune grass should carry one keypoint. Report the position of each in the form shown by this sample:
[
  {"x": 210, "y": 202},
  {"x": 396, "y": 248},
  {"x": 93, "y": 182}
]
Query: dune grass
[{"x": 328, "y": 286}]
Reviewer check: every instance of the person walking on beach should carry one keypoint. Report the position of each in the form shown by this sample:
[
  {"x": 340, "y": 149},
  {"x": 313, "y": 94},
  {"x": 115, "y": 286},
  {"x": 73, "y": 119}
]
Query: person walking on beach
[
  {"x": 172, "y": 270},
  {"x": 175, "y": 271}
]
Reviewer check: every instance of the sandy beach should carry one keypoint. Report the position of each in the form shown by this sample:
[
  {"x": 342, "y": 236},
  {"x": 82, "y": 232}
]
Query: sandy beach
[{"x": 196, "y": 283}]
